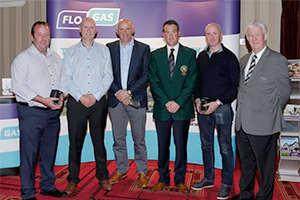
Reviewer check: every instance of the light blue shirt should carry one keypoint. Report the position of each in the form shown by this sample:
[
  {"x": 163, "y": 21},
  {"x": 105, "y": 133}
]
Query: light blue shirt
[
  {"x": 34, "y": 74},
  {"x": 125, "y": 54},
  {"x": 88, "y": 71}
]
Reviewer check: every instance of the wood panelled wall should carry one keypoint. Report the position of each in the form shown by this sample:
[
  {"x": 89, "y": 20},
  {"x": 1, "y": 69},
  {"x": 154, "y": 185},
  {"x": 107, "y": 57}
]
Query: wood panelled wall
[
  {"x": 16, "y": 22},
  {"x": 15, "y": 26},
  {"x": 268, "y": 11}
]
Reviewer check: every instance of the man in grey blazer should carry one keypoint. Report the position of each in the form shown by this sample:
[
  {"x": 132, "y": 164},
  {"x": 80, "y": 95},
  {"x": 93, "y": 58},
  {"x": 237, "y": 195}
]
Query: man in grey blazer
[
  {"x": 127, "y": 99},
  {"x": 264, "y": 90}
]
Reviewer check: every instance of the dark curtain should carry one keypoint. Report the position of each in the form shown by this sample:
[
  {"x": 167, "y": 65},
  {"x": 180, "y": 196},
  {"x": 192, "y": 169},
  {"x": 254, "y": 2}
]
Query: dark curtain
[{"x": 290, "y": 29}]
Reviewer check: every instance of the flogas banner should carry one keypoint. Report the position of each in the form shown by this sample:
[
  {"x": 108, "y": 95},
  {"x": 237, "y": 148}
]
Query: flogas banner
[{"x": 148, "y": 16}]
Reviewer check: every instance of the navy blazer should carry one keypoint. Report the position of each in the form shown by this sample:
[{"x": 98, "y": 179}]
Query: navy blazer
[{"x": 137, "y": 76}]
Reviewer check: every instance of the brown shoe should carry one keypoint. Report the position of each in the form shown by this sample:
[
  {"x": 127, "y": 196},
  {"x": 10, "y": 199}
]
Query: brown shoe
[
  {"x": 70, "y": 188},
  {"x": 183, "y": 188},
  {"x": 105, "y": 184},
  {"x": 143, "y": 181},
  {"x": 159, "y": 186},
  {"x": 117, "y": 177}
]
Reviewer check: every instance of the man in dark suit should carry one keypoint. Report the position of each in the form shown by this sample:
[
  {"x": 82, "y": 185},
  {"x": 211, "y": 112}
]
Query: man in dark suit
[
  {"x": 172, "y": 75},
  {"x": 127, "y": 99},
  {"x": 264, "y": 90}
]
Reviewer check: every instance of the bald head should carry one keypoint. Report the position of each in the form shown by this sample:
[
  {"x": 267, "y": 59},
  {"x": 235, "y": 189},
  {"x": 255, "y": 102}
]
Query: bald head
[
  {"x": 89, "y": 20},
  {"x": 125, "y": 30},
  {"x": 213, "y": 24},
  {"x": 88, "y": 29},
  {"x": 124, "y": 20},
  {"x": 213, "y": 36}
]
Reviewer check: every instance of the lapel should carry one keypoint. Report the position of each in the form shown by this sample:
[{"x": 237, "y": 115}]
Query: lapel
[
  {"x": 164, "y": 59},
  {"x": 257, "y": 68},
  {"x": 133, "y": 62},
  {"x": 117, "y": 66},
  {"x": 243, "y": 65},
  {"x": 179, "y": 58}
]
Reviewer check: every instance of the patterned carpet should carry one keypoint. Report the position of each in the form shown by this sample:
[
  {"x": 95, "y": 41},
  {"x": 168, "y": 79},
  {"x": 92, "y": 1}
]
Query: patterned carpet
[{"x": 128, "y": 188}]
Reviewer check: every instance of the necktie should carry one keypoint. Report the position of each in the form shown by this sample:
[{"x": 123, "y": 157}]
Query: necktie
[
  {"x": 251, "y": 68},
  {"x": 171, "y": 63}
]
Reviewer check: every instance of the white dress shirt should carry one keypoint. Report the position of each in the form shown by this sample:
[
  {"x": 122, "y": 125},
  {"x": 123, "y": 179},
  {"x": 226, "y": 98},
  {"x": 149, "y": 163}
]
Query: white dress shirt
[{"x": 34, "y": 74}]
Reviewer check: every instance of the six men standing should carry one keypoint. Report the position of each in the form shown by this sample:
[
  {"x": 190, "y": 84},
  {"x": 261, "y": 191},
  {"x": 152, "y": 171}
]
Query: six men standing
[{"x": 91, "y": 70}]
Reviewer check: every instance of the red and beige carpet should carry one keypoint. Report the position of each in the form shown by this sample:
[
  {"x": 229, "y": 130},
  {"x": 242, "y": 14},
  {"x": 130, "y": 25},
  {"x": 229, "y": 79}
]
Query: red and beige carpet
[{"x": 128, "y": 188}]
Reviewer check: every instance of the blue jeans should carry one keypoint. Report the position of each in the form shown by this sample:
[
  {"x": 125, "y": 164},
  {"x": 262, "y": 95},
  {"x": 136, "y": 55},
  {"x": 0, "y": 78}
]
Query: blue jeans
[{"x": 222, "y": 120}]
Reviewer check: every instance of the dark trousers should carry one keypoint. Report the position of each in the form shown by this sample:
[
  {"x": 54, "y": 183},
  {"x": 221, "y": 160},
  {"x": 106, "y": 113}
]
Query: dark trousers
[
  {"x": 257, "y": 151},
  {"x": 78, "y": 116},
  {"x": 38, "y": 132},
  {"x": 180, "y": 133}
]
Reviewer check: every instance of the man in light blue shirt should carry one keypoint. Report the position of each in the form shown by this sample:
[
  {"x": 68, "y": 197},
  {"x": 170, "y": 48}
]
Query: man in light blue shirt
[
  {"x": 88, "y": 71},
  {"x": 127, "y": 99}
]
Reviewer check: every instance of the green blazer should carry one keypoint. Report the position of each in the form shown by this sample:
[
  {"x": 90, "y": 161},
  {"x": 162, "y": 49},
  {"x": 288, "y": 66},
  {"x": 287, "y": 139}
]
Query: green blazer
[{"x": 179, "y": 89}]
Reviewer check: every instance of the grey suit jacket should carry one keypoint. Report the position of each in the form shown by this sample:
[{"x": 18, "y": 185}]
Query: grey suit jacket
[{"x": 260, "y": 103}]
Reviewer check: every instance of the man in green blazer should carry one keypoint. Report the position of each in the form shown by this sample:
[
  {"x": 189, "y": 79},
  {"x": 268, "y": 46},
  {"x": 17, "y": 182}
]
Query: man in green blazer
[{"x": 172, "y": 75}]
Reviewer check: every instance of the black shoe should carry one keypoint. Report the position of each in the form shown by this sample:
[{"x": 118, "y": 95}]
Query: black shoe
[
  {"x": 223, "y": 192},
  {"x": 204, "y": 183},
  {"x": 237, "y": 197},
  {"x": 32, "y": 198},
  {"x": 55, "y": 193}
]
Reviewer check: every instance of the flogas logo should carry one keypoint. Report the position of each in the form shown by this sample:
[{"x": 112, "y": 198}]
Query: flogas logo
[
  {"x": 70, "y": 19},
  {"x": 8, "y": 133}
]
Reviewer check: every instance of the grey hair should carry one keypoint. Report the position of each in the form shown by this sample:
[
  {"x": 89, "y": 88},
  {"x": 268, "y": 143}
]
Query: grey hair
[{"x": 258, "y": 23}]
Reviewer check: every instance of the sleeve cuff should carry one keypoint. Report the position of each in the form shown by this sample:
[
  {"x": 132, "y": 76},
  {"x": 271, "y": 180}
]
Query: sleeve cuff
[{"x": 219, "y": 102}]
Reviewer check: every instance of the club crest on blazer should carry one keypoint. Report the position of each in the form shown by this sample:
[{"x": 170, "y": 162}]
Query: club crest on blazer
[{"x": 183, "y": 70}]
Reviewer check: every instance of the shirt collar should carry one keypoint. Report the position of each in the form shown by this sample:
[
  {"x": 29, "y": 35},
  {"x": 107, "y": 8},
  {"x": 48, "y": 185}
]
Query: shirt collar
[
  {"x": 81, "y": 45},
  {"x": 259, "y": 54},
  {"x": 36, "y": 52},
  {"x": 131, "y": 43},
  {"x": 208, "y": 50},
  {"x": 176, "y": 47}
]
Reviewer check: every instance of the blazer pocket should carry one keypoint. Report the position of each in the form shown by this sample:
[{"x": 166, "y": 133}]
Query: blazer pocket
[{"x": 266, "y": 109}]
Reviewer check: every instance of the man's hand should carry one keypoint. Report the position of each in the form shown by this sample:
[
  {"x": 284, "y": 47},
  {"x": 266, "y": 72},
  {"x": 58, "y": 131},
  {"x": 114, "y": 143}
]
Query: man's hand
[
  {"x": 126, "y": 101},
  {"x": 122, "y": 95},
  {"x": 198, "y": 105},
  {"x": 212, "y": 107},
  {"x": 172, "y": 106},
  {"x": 61, "y": 100},
  {"x": 48, "y": 101},
  {"x": 87, "y": 100}
]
